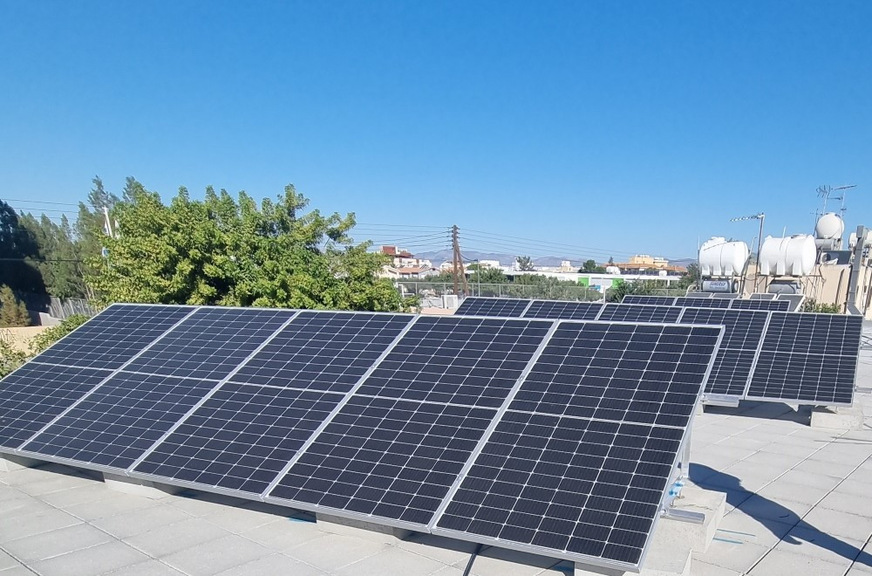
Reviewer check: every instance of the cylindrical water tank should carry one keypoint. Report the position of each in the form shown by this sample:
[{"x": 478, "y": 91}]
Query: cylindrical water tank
[
  {"x": 793, "y": 256},
  {"x": 717, "y": 257},
  {"x": 829, "y": 226},
  {"x": 613, "y": 270}
]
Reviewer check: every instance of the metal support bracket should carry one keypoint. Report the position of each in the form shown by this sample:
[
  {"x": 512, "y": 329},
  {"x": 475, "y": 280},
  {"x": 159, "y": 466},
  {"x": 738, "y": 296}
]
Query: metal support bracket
[{"x": 683, "y": 515}]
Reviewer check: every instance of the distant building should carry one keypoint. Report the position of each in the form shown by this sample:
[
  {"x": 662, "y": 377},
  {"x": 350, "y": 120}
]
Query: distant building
[
  {"x": 645, "y": 264},
  {"x": 404, "y": 265}
]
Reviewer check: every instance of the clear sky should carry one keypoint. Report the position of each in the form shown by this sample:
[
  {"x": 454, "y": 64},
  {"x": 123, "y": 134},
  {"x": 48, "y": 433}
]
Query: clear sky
[{"x": 574, "y": 128}]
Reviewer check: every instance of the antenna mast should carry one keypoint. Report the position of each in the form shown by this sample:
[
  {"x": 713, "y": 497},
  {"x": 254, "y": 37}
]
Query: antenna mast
[{"x": 761, "y": 217}]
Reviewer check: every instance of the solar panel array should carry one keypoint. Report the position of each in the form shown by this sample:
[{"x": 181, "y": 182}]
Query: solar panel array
[
  {"x": 504, "y": 307},
  {"x": 440, "y": 424},
  {"x": 738, "y": 359},
  {"x": 795, "y": 300},
  {"x": 763, "y": 296}
]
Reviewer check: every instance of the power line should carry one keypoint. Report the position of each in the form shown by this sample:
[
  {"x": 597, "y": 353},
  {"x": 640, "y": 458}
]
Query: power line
[{"x": 7, "y": 200}]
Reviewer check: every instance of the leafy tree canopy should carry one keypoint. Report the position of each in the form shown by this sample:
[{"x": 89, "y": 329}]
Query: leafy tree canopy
[
  {"x": 525, "y": 264},
  {"x": 233, "y": 252}
]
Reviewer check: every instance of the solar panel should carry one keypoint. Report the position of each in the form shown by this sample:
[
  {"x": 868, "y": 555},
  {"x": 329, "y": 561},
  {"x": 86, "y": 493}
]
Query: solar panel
[
  {"x": 763, "y": 296},
  {"x": 795, "y": 300},
  {"x": 774, "y": 305},
  {"x": 323, "y": 350},
  {"x": 810, "y": 358},
  {"x": 699, "y": 294},
  {"x": 388, "y": 458},
  {"x": 469, "y": 361},
  {"x": 735, "y": 358},
  {"x": 114, "y": 336},
  {"x": 726, "y": 295},
  {"x": 563, "y": 310},
  {"x": 639, "y": 313},
  {"x": 210, "y": 343},
  {"x": 241, "y": 437},
  {"x": 391, "y": 420},
  {"x": 579, "y": 463},
  {"x": 649, "y": 300},
  {"x": 34, "y": 394},
  {"x": 120, "y": 420},
  {"x": 705, "y": 303},
  {"x": 505, "y": 307},
  {"x": 424, "y": 397}
]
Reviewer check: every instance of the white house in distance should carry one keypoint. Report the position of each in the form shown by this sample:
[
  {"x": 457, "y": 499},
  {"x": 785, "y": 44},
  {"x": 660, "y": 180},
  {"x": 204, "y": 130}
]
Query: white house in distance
[{"x": 404, "y": 265}]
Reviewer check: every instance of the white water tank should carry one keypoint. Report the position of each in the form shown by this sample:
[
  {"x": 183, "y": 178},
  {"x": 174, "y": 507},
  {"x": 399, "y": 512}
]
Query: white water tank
[
  {"x": 613, "y": 270},
  {"x": 717, "y": 257},
  {"x": 792, "y": 256},
  {"x": 829, "y": 227}
]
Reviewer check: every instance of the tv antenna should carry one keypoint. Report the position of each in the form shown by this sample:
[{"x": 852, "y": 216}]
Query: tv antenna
[
  {"x": 826, "y": 192},
  {"x": 761, "y": 217}
]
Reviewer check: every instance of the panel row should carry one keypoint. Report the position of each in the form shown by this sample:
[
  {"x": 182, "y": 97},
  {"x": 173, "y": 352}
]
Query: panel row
[
  {"x": 783, "y": 360},
  {"x": 376, "y": 416}
]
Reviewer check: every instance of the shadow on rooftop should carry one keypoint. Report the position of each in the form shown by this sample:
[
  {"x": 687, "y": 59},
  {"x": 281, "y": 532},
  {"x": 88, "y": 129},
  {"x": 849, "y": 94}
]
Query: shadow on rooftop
[
  {"x": 773, "y": 516},
  {"x": 765, "y": 410}
]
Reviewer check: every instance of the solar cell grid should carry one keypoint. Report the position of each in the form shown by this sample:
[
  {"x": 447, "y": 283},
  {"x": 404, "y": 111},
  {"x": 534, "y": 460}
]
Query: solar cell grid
[
  {"x": 34, "y": 395},
  {"x": 649, "y": 374},
  {"x": 774, "y": 305},
  {"x": 828, "y": 334},
  {"x": 743, "y": 328},
  {"x": 795, "y": 300},
  {"x": 390, "y": 458},
  {"x": 814, "y": 379},
  {"x": 699, "y": 294},
  {"x": 583, "y": 487},
  {"x": 649, "y": 300},
  {"x": 563, "y": 310},
  {"x": 735, "y": 358},
  {"x": 703, "y": 303},
  {"x": 726, "y": 295},
  {"x": 456, "y": 360},
  {"x": 639, "y": 313},
  {"x": 210, "y": 343},
  {"x": 811, "y": 358},
  {"x": 120, "y": 420},
  {"x": 763, "y": 296},
  {"x": 241, "y": 437},
  {"x": 504, "y": 307},
  {"x": 114, "y": 336},
  {"x": 323, "y": 350}
]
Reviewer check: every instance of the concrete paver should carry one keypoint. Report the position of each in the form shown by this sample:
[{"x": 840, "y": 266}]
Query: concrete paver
[{"x": 89, "y": 561}]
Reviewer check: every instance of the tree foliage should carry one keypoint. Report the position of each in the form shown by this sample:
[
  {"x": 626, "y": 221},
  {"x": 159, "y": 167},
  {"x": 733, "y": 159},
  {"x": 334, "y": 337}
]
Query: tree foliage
[
  {"x": 12, "y": 310},
  {"x": 591, "y": 267},
  {"x": 10, "y": 357},
  {"x": 18, "y": 254},
  {"x": 51, "y": 335},
  {"x": 525, "y": 263},
  {"x": 233, "y": 252},
  {"x": 691, "y": 277},
  {"x": 812, "y": 305}
]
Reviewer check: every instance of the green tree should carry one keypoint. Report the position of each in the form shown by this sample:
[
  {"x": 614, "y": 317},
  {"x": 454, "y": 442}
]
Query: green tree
[
  {"x": 485, "y": 275},
  {"x": 812, "y": 305},
  {"x": 611, "y": 261},
  {"x": 234, "y": 252},
  {"x": 525, "y": 263},
  {"x": 10, "y": 356},
  {"x": 19, "y": 252},
  {"x": 58, "y": 256},
  {"x": 691, "y": 277},
  {"x": 591, "y": 267},
  {"x": 12, "y": 310}
]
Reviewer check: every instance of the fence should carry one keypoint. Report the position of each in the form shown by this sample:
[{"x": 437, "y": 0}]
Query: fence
[
  {"x": 432, "y": 292},
  {"x": 62, "y": 309}
]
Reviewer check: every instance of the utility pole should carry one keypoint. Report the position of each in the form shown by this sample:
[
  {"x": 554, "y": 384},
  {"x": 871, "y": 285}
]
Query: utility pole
[{"x": 457, "y": 268}]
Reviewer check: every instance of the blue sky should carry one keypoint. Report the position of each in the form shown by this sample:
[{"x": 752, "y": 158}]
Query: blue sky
[{"x": 577, "y": 129}]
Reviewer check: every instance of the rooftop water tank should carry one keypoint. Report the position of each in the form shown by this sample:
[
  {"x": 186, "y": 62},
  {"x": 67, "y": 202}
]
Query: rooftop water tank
[
  {"x": 717, "y": 257},
  {"x": 829, "y": 226},
  {"x": 793, "y": 256}
]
